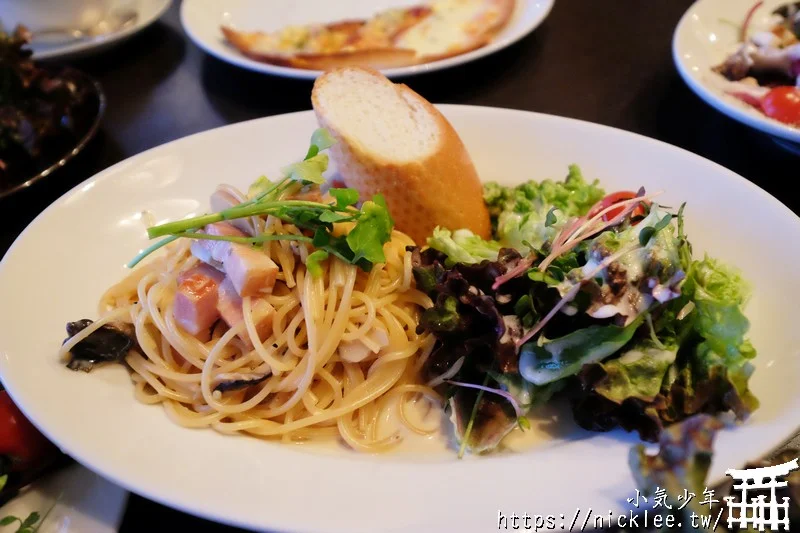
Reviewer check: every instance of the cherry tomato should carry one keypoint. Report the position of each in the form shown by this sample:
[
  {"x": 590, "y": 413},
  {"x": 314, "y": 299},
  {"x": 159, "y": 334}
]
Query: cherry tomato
[
  {"x": 19, "y": 439},
  {"x": 614, "y": 198},
  {"x": 783, "y": 104}
]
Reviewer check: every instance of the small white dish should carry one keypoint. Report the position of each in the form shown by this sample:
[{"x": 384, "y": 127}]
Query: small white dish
[
  {"x": 202, "y": 19},
  {"x": 148, "y": 11},
  {"x": 704, "y": 37},
  {"x": 78, "y": 501},
  {"x": 57, "y": 269}
]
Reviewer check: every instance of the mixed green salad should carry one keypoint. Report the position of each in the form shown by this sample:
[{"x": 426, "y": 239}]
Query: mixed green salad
[{"x": 586, "y": 295}]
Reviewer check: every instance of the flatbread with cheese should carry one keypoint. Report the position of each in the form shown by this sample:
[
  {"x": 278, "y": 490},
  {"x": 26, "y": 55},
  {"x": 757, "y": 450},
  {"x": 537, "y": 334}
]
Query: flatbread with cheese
[{"x": 392, "y": 38}]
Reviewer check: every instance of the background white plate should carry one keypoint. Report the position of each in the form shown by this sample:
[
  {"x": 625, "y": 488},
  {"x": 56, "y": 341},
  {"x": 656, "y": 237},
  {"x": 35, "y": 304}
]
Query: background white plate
[
  {"x": 81, "y": 502},
  {"x": 149, "y": 12},
  {"x": 71, "y": 253},
  {"x": 202, "y": 19},
  {"x": 703, "y": 39}
]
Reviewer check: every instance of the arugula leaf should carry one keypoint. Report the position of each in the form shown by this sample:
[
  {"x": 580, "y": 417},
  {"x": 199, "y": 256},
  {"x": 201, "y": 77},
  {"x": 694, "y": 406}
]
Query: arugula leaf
[
  {"x": 308, "y": 171},
  {"x": 31, "y": 520},
  {"x": 321, "y": 140},
  {"x": 313, "y": 262},
  {"x": 371, "y": 232},
  {"x": 259, "y": 187},
  {"x": 344, "y": 197},
  {"x": 333, "y": 216},
  {"x": 381, "y": 201}
]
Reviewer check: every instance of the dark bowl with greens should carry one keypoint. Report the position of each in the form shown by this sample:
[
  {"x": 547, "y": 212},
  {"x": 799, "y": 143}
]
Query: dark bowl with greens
[{"x": 48, "y": 114}]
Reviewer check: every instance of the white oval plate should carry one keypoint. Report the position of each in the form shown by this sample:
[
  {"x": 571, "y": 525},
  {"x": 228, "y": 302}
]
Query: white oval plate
[
  {"x": 202, "y": 20},
  {"x": 77, "y": 500},
  {"x": 71, "y": 253},
  {"x": 703, "y": 39},
  {"x": 149, "y": 12}
]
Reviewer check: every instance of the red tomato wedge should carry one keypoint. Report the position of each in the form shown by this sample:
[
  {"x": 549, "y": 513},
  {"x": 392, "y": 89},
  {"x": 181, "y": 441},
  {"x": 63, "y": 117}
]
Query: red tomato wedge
[
  {"x": 783, "y": 104},
  {"x": 19, "y": 439},
  {"x": 614, "y": 198}
]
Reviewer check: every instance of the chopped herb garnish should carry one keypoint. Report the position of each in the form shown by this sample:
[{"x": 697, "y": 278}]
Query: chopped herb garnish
[
  {"x": 313, "y": 262},
  {"x": 308, "y": 171},
  {"x": 344, "y": 197},
  {"x": 363, "y": 246},
  {"x": 373, "y": 229},
  {"x": 26, "y": 525},
  {"x": 321, "y": 140}
]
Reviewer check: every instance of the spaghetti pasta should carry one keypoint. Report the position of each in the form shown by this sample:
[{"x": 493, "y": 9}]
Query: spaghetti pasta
[{"x": 303, "y": 381}]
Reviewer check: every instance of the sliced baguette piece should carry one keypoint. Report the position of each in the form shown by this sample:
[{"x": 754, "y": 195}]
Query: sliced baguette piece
[{"x": 394, "y": 142}]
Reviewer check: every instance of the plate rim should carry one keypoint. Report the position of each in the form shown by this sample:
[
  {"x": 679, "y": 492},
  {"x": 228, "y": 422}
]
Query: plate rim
[
  {"x": 238, "y": 60},
  {"x": 710, "y": 97},
  {"x": 77, "y": 49},
  {"x": 198, "y": 508}
]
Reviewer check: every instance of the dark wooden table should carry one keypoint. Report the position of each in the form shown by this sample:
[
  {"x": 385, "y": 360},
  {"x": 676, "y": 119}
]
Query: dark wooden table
[{"x": 601, "y": 61}]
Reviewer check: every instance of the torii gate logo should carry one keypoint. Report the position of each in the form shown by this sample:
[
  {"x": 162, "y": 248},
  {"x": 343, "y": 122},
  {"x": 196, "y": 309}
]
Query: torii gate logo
[{"x": 758, "y": 512}]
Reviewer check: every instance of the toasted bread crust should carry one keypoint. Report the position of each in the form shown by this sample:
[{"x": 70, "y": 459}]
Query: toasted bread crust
[
  {"x": 441, "y": 190},
  {"x": 376, "y": 58}
]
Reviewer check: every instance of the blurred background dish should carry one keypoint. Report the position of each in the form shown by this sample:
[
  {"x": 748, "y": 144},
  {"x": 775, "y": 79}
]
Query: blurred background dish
[
  {"x": 48, "y": 114},
  {"x": 709, "y": 32},
  {"x": 203, "y": 20},
  {"x": 42, "y": 490},
  {"x": 72, "y": 500},
  {"x": 76, "y": 28}
]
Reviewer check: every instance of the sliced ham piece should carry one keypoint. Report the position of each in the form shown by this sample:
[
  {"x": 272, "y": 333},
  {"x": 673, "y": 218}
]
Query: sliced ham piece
[
  {"x": 250, "y": 270},
  {"x": 215, "y": 252},
  {"x": 195, "y": 305},
  {"x": 230, "y": 307}
]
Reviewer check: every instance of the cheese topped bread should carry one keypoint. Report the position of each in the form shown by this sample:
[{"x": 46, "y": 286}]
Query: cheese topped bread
[
  {"x": 393, "y": 142},
  {"x": 392, "y": 38},
  {"x": 455, "y": 27}
]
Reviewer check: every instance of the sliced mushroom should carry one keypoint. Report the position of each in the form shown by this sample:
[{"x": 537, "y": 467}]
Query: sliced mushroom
[
  {"x": 237, "y": 381},
  {"x": 108, "y": 344}
]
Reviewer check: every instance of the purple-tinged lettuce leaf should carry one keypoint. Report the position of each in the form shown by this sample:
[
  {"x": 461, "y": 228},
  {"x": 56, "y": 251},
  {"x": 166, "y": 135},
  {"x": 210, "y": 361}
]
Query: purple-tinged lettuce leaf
[
  {"x": 494, "y": 419},
  {"x": 682, "y": 461}
]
